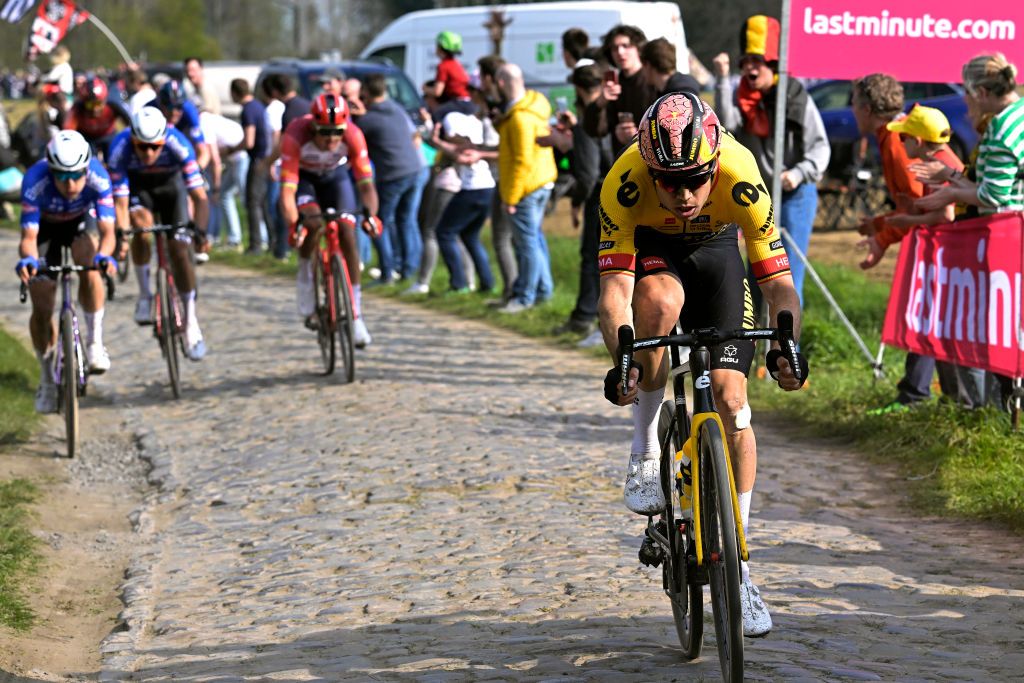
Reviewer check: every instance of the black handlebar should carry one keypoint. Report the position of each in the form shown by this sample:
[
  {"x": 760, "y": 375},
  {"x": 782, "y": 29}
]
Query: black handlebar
[
  {"x": 711, "y": 335},
  {"x": 69, "y": 268}
]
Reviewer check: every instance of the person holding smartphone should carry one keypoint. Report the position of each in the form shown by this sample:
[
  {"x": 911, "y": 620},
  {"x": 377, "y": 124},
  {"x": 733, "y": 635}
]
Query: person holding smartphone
[{"x": 625, "y": 90}]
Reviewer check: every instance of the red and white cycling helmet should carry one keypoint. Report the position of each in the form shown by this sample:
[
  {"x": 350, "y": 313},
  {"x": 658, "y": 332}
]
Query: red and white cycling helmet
[
  {"x": 329, "y": 111},
  {"x": 679, "y": 134},
  {"x": 95, "y": 90}
]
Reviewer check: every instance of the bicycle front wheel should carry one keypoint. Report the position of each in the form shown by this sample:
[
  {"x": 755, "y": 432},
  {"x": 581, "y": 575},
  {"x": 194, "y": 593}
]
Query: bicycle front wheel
[
  {"x": 168, "y": 331},
  {"x": 721, "y": 553},
  {"x": 69, "y": 381},
  {"x": 685, "y": 594},
  {"x": 323, "y": 291},
  {"x": 346, "y": 316}
]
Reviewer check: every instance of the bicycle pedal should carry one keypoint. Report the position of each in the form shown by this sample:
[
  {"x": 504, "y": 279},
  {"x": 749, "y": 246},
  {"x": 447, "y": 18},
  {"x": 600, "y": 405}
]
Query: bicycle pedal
[{"x": 651, "y": 553}]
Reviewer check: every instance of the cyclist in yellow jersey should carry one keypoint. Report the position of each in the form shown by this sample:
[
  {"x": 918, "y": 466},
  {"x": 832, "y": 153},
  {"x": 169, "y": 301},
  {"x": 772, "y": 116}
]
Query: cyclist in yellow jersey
[{"x": 670, "y": 208}]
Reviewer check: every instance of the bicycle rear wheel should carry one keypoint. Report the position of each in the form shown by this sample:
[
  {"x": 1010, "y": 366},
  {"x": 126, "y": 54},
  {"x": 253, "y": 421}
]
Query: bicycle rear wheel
[
  {"x": 69, "y": 381},
  {"x": 345, "y": 316},
  {"x": 721, "y": 553},
  {"x": 323, "y": 291},
  {"x": 168, "y": 330},
  {"x": 685, "y": 594}
]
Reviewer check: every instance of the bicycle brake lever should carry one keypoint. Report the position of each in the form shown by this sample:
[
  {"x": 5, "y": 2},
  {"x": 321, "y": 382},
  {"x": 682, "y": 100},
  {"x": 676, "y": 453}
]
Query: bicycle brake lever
[
  {"x": 23, "y": 293},
  {"x": 626, "y": 349},
  {"x": 788, "y": 344}
]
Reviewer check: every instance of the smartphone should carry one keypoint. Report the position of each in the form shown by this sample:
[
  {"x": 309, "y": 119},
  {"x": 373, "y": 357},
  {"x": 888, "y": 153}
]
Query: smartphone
[
  {"x": 611, "y": 75},
  {"x": 561, "y": 105}
]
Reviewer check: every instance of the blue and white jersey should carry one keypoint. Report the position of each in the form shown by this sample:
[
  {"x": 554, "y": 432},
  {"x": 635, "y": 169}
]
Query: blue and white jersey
[
  {"x": 188, "y": 123},
  {"x": 42, "y": 201},
  {"x": 177, "y": 156}
]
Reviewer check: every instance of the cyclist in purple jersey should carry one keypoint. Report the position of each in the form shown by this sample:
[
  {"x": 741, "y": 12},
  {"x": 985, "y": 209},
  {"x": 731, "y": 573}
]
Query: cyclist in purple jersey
[
  {"x": 65, "y": 200},
  {"x": 179, "y": 111},
  {"x": 154, "y": 173}
]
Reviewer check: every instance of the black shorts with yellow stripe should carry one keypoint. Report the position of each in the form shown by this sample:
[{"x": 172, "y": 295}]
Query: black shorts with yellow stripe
[{"x": 715, "y": 287}]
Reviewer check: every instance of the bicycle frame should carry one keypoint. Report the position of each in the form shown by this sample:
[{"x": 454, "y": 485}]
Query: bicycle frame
[
  {"x": 163, "y": 262},
  {"x": 330, "y": 235},
  {"x": 68, "y": 305}
]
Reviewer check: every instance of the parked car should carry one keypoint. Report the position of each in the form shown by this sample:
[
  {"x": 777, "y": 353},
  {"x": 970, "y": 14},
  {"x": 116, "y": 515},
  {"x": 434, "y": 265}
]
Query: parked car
[
  {"x": 307, "y": 73},
  {"x": 833, "y": 99}
]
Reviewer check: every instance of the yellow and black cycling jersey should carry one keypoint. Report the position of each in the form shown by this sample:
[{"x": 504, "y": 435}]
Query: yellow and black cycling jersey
[{"x": 738, "y": 197}]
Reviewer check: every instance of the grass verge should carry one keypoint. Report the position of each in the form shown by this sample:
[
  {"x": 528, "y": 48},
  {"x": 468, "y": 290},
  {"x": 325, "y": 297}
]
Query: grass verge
[{"x": 18, "y": 557}]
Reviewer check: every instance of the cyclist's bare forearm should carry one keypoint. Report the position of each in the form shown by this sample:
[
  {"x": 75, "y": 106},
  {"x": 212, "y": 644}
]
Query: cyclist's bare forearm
[
  {"x": 28, "y": 246},
  {"x": 202, "y": 204},
  {"x": 108, "y": 240},
  {"x": 368, "y": 193},
  {"x": 781, "y": 296},
  {"x": 614, "y": 309},
  {"x": 121, "y": 213}
]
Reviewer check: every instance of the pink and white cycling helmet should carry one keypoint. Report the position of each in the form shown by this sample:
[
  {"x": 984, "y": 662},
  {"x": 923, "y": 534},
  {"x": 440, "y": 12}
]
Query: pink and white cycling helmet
[{"x": 679, "y": 134}]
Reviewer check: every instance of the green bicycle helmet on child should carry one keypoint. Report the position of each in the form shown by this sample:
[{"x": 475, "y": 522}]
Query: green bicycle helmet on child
[{"x": 449, "y": 41}]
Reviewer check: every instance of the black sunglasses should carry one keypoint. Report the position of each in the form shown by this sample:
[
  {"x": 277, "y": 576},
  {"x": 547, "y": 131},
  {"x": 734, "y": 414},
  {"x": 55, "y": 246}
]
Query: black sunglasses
[
  {"x": 148, "y": 146},
  {"x": 330, "y": 131},
  {"x": 674, "y": 182}
]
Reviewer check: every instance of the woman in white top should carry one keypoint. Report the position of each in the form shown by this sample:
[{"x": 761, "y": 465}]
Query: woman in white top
[{"x": 465, "y": 214}]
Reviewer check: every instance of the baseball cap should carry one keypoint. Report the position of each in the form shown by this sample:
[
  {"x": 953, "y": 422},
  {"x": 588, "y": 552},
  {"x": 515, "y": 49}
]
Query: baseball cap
[
  {"x": 331, "y": 75},
  {"x": 927, "y": 123}
]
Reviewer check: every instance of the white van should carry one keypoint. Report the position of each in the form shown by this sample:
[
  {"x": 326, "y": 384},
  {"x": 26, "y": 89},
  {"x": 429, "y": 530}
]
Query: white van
[{"x": 533, "y": 39}]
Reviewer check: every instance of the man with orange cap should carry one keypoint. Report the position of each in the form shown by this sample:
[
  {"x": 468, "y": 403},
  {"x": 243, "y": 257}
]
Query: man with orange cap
[{"x": 749, "y": 114}]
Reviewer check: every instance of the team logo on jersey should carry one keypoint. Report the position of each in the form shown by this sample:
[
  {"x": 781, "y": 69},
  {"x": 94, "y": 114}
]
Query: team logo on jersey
[
  {"x": 703, "y": 218},
  {"x": 653, "y": 262},
  {"x": 629, "y": 192},
  {"x": 766, "y": 228},
  {"x": 777, "y": 244},
  {"x": 607, "y": 224},
  {"x": 730, "y": 350},
  {"x": 745, "y": 194},
  {"x": 605, "y": 245}
]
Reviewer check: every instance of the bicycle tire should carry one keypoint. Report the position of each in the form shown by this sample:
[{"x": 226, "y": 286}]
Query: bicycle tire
[
  {"x": 721, "y": 550},
  {"x": 685, "y": 595},
  {"x": 69, "y": 382},
  {"x": 168, "y": 331},
  {"x": 323, "y": 292},
  {"x": 345, "y": 317}
]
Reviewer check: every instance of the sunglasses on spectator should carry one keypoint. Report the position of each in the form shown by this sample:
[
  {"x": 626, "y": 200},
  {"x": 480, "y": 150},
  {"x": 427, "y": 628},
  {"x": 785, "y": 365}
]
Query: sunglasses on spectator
[
  {"x": 330, "y": 131},
  {"x": 65, "y": 176},
  {"x": 149, "y": 146},
  {"x": 674, "y": 182}
]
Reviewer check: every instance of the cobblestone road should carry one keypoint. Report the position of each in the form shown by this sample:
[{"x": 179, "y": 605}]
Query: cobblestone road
[{"x": 455, "y": 515}]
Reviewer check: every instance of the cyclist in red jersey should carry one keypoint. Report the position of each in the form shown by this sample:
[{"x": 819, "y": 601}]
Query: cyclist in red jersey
[
  {"x": 96, "y": 118},
  {"x": 317, "y": 152}
]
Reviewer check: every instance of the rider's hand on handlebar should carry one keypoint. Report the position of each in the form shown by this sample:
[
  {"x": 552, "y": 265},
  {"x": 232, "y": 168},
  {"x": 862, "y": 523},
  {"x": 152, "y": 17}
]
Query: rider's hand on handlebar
[
  {"x": 373, "y": 226},
  {"x": 613, "y": 384},
  {"x": 105, "y": 263},
  {"x": 27, "y": 268},
  {"x": 778, "y": 367}
]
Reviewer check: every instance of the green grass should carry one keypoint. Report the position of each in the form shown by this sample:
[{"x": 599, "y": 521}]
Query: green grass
[
  {"x": 955, "y": 463},
  {"x": 19, "y": 374},
  {"x": 18, "y": 556}
]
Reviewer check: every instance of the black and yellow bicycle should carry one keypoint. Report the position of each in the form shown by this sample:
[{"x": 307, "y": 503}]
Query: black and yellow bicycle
[{"x": 698, "y": 539}]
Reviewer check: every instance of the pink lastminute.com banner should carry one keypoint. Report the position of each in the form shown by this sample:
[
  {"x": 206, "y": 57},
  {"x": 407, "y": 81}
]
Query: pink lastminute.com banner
[
  {"x": 957, "y": 294},
  {"x": 913, "y": 40}
]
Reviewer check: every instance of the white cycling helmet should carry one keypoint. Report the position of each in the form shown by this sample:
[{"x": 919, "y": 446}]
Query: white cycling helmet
[
  {"x": 68, "y": 151},
  {"x": 149, "y": 125}
]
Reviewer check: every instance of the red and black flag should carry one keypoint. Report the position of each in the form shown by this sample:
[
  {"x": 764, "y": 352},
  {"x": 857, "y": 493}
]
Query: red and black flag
[{"x": 54, "y": 20}]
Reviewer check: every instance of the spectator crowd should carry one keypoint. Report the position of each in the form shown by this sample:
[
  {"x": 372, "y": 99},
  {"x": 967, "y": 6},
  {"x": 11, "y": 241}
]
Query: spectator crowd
[{"x": 485, "y": 148}]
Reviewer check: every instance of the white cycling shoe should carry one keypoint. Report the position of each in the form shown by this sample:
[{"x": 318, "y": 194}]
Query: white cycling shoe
[
  {"x": 305, "y": 298},
  {"x": 98, "y": 358},
  {"x": 362, "y": 337},
  {"x": 757, "y": 622},
  {"x": 195, "y": 347},
  {"x": 144, "y": 310},
  {"x": 46, "y": 398},
  {"x": 642, "y": 492}
]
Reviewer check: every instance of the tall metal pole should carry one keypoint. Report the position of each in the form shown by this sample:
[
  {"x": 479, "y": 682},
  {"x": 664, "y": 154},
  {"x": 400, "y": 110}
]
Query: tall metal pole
[
  {"x": 111, "y": 37},
  {"x": 780, "y": 111}
]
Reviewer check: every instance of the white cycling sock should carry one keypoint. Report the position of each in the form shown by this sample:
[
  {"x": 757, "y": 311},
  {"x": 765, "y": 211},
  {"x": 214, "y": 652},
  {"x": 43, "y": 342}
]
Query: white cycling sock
[
  {"x": 645, "y": 423},
  {"x": 189, "y": 299},
  {"x": 744, "y": 499},
  {"x": 142, "y": 275},
  {"x": 305, "y": 273},
  {"x": 93, "y": 327},
  {"x": 357, "y": 300},
  {"x": 45, "y": 366}
]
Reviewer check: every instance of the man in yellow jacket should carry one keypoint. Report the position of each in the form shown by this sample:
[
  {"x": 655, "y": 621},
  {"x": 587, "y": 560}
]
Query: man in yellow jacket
[{"x": 526, "y": 175}]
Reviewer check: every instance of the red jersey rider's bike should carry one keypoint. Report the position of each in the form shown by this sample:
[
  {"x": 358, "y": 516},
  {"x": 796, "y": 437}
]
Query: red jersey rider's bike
[{"x": 334, "y": 316}]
